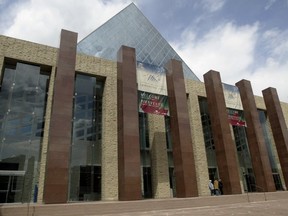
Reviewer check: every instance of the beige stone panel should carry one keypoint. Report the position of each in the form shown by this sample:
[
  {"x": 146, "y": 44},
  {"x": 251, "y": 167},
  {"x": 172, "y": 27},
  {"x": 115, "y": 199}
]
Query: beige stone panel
[
  {"x": 96, "y": 66},
  {"x": 195, "y": 89},
  {"x": 159, "y": 158},
  {"x": 42, "y": 168},
  {"x": 260, "y": 104},
  {"x": 28, "y": 51},
  {"x": 285, "y": 111},
  {"x": 109, "y": 141}
]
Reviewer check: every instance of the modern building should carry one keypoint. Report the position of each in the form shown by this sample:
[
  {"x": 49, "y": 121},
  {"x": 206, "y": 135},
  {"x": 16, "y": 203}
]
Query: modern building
[{"x": 119, "y": 116}]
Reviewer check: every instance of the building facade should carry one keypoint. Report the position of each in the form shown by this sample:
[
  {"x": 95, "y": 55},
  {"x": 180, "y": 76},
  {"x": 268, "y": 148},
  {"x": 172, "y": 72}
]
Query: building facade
[{"x": 76, "y": 127}]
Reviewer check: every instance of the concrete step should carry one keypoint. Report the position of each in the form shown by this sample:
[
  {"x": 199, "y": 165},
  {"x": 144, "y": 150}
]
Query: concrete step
[{"x": 114, "y": 207}]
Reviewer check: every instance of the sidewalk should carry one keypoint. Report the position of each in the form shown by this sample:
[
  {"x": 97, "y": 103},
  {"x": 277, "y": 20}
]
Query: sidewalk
[{"x": 274, "y": 203}]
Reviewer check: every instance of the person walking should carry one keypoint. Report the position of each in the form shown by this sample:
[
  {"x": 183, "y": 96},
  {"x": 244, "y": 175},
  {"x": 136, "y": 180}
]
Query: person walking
[
  {"x": 211, "y": 187},
  {"x": 220, "y": 186},
  {"x": 216, "y": 187}
]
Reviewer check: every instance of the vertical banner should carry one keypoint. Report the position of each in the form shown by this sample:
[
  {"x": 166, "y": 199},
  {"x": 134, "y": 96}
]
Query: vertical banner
[{"x": 152, "y": 89}]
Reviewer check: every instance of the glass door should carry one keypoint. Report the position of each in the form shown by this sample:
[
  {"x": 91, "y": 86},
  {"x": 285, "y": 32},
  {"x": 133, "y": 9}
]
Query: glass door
[{"x": 11, "y": 185}]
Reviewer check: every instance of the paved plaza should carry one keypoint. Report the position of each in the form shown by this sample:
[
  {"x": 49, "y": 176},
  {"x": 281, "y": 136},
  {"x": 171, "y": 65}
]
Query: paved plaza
[
  {"x": 256, "y": 204},
  {"x": 277, "y": 207}
]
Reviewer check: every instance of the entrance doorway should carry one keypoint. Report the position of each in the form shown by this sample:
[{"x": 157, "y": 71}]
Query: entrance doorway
[{"x": 11, "y": 186}]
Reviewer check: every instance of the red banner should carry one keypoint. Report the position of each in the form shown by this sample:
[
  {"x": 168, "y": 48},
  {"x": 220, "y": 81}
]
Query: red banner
[
  {"x": 153, "y": 103},
  {"x": 235, "y": 118}
]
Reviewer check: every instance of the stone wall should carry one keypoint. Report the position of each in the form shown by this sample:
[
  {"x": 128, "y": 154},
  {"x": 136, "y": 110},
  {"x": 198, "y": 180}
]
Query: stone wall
[{"x": 195, "y": 89}]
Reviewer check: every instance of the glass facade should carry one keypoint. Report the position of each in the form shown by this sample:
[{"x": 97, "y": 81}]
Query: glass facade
[
  {"x": 85, "y": 165},
  {"x": 244, "y": 159},
  {"x": 268, "y": 143},
  {"x": 146, "y": 173},
  {"x": 23, "y": 98},
  {"x": 208, "y": 139},
  {"x": 131, "y": 28}
]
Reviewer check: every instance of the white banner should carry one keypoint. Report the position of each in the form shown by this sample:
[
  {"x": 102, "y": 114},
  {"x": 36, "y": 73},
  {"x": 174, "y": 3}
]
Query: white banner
[
  {"x": 151, "y": 79},
  {"x": 232, "y": 97}
]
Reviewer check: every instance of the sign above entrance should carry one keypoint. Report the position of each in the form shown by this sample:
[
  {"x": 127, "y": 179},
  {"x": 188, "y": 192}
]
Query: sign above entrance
[{"x": 151, "y": 78}]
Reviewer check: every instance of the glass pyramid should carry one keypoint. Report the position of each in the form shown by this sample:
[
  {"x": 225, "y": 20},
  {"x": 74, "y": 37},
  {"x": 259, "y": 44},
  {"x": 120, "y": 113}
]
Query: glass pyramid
[{"x": 131, "y": 28}]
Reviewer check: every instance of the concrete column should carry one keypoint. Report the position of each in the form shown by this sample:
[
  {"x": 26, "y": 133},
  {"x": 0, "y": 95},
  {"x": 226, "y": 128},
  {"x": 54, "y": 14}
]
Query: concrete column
[
  {"x": 259, "y": 155},
  {"x": 58, "y": 155},
  {"x": 183, "y": 155},
  {"x": 129, "y": 165},
  {"x": 159, "y": 158},
  {"x": 278, "y": 126},
  {"x": 225, "y": 148}
]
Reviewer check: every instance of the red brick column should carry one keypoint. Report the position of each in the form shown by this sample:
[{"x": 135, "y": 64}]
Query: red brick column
[
  {"x": 225, "y": 147},
  {"x": 184, "y": 165},
  {"x": 279, "y": 127},
  {"x": 129, "y": 165},
  {"x": 58, "y": 155},
  {"x": 259, "y": 156}
]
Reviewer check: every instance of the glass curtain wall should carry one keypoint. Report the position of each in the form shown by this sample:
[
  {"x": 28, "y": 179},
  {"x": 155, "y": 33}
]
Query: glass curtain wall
[
  {"x": 85, "y": 164},
  {"x": 244, "y": 158},
  {"x": 23, "y": 96},
  {"x": 146, "y": 173},
  {"x": 268, "y": 143},
  {"x": 208, "y": 139}
]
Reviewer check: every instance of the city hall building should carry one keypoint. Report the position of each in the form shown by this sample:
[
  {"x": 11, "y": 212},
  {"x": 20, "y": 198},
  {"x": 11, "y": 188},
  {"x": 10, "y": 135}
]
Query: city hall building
[{"x": 120, "y": 116}]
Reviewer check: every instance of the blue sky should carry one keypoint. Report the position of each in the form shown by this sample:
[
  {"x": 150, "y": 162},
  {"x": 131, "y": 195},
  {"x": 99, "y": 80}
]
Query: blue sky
[{"x": 242, "y": 39}]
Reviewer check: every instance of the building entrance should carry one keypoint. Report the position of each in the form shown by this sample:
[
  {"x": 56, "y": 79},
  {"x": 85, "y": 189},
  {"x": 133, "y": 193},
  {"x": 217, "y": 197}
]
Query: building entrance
[{"x": 11, "y": 186}]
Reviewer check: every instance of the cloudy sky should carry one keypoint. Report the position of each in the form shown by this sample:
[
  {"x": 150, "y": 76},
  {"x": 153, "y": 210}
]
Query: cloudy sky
[{"x": 242, "y": 39}]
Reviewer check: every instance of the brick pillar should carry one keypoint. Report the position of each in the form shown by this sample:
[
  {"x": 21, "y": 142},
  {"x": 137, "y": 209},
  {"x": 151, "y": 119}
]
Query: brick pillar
[
  {"x": 58, "y": 155},
  {"x": 129, "y": 165},
  {"x": 259, "y": 155},
  {"x": 278, "y": 126},
  {"x": 184, "y": 164},
  {"x": 225, "y": 148},
  {"x": 159, "y": 158}
]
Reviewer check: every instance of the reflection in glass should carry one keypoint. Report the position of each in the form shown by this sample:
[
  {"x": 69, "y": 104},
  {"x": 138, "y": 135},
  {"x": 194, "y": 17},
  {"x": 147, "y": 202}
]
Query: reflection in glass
[
  {"x": 85, "y": 165},
  {"x": 22, "y": 107},
  {"x": 208, "y": 139},
  {"x": 131, "y": 28},
  {"x": 146, "y": 175},
  {"x": 268, "y": 143},
  {"x": 244, "y": 158}
]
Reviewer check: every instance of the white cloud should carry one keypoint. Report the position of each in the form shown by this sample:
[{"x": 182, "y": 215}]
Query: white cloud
[
  {"x": 231, "y": 50},
  {"x": 226, "y": 48},
  {"x": 213, "y": 5},
  {"x": 41, "y": 21},
  {"x": 269, "y": 4}
]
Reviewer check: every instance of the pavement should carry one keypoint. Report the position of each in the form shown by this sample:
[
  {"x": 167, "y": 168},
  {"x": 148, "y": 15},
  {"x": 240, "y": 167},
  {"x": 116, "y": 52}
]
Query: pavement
[
  {"x": 263, "y": 208},
  {"x": 256, "y": 204}
]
